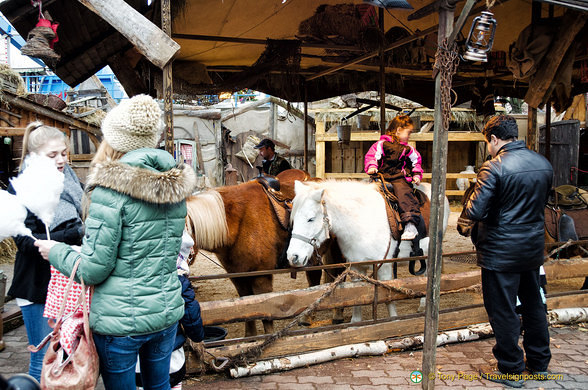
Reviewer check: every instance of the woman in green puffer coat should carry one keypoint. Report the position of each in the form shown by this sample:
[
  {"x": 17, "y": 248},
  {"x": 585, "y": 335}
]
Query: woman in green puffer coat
[{"x": 133, "y": 234}]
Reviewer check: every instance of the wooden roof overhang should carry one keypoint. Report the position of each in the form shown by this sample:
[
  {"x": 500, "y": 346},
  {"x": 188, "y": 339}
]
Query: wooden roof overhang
[{"x": 225, "y": 47}]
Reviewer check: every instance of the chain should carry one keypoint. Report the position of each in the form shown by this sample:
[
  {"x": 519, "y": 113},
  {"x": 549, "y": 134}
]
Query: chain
[{"x": 446, "y": 62}]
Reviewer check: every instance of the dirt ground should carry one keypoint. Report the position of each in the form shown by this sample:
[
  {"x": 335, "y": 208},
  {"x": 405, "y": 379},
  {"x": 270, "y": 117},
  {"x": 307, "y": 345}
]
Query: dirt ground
[{"x": 209, "y": 290}]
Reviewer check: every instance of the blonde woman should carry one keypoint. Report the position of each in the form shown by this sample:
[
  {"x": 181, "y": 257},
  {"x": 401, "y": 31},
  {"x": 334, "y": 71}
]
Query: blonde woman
[
  {"x": 134, "y": 230},
  {"x": 31, "y": 272}
]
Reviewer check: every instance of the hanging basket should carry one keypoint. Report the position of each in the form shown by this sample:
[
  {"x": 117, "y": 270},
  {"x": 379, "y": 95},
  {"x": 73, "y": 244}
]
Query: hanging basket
[{"x": 40, "y": 41}]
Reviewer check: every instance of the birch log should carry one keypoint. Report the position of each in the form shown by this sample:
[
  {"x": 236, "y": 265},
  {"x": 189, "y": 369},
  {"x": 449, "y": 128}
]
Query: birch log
[
  {"x": 325, "y": 355},
  {"x": 153, "y": 43},
  {"x": 471, "y": 333}
]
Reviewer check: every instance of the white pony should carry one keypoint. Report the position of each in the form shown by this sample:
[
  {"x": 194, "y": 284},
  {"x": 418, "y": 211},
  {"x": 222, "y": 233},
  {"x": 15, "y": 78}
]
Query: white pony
[{"x": 354, "y": 212}]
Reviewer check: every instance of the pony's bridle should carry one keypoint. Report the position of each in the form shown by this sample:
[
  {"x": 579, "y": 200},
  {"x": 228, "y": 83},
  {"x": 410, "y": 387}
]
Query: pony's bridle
[{"x": 326, "y": 227}]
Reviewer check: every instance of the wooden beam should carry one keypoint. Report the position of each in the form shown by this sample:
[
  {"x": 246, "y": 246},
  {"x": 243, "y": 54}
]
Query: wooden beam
[
  {"x": 415, "y": 137},
  {"x": 305, "y": 166},
  {"x": 153, "y": 43},
  {"x": 253, "y": 41},
  {"x": 287, "y": 304},
  {"x": 382, "y": 74},
  {"x": 532, "y": 143},
  {"x": 572, "y": 23},
  {"x": 127, "y": 75},
  {"x": 168, "y": 82},
  {"x": 12, "y": 131}
]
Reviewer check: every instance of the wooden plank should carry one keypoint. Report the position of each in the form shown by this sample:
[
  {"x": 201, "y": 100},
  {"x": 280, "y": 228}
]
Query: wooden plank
[
  {"x": 153, "y": 43},
  {"x": 401, "y": 327},
  {"x": 572, "y": 23},
  {"x": 320, "y": 149},
  {"x": 280, "y": 305},
  {"x": 426, "y": 175},
  {"x": 415, "y": 137},
  {"x": 12, "y": 131},
  {"x": 81, "y": 157}
]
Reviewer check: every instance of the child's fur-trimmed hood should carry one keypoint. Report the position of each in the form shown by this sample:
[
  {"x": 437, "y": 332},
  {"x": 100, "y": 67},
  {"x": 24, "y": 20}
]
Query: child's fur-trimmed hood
[{"x": 151, "y": 186}]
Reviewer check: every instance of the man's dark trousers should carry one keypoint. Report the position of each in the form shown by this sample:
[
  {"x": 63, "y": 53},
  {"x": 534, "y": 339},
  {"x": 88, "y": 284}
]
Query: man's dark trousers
[{"x": 500, "y": 290}]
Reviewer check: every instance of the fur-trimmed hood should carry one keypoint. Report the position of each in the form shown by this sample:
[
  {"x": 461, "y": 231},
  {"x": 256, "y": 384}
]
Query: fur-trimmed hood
[{"x": 145, "y": 177}]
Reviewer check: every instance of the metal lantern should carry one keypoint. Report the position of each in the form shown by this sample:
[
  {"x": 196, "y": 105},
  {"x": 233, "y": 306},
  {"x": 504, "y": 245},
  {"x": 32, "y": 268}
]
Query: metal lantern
[{"x": 481, "y": 37}]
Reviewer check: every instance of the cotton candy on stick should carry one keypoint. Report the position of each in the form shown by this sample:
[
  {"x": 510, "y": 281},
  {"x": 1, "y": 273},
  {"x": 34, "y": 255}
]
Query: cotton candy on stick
[
  {"x": 39, "y": 187},
  {"x": 12, "y": 217}
]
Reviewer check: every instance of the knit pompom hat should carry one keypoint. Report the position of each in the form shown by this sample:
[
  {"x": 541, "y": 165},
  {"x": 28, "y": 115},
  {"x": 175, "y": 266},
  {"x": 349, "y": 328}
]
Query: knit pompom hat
[{"x": 133, "y": 124}]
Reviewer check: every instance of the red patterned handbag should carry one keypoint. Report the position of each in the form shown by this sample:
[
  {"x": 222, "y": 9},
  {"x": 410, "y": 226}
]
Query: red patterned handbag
[{"x": 70, "y": 363}]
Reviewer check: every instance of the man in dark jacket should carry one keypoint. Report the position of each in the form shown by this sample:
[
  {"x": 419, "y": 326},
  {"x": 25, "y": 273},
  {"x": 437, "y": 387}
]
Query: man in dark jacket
[
  {"x": 508, "y": 203},
  {"x": 272, "y": 162}
]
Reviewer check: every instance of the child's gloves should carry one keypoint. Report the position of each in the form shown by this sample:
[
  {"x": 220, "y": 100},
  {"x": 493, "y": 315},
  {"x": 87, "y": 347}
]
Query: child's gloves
[{"x": 372, "y": 170}]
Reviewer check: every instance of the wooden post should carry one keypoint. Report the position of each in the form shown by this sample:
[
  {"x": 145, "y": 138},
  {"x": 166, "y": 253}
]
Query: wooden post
[
  {"x": 305, "y": 127},
  {"x": 539, "y": 85},
  {"x": 438, "y": 184},
  {"x": 382, "y": 75},
  {"x": 168, "y": 107},
  {"x": 548, "y": 131},
  {"x": 272, "y": 120},
  {"x": 532, "y": 129}
]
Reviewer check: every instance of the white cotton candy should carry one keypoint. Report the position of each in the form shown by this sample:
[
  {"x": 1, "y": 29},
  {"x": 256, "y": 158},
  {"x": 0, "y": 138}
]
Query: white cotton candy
[
  {"x": 39, "y": 187},
  {"x": 12, "y": 217}
]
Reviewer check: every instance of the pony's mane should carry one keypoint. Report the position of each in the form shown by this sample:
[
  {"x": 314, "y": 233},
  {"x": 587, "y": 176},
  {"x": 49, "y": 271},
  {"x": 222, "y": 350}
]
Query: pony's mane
[{"x": 206, "y": 220}]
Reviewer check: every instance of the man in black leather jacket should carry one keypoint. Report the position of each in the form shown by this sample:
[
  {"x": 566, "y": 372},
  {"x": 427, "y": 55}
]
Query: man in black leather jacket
[{"x": 508, "y": 204}]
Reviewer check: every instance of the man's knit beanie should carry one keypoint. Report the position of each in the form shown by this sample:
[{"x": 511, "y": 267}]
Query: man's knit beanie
[{"x": 133, "y": 124}]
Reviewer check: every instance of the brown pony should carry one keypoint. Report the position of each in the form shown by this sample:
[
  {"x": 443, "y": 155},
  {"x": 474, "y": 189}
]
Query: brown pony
[{"x": 239, "y": 225}]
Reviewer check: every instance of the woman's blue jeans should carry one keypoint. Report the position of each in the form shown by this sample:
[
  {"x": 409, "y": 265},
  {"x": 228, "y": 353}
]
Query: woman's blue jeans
[
  {"x": 37, "y": 328},
  {"x": 118, "y": 358}
]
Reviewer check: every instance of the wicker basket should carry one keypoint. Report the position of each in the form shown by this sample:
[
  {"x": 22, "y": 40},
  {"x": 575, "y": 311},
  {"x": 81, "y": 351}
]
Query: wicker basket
[{"x": 52, "y": 101}]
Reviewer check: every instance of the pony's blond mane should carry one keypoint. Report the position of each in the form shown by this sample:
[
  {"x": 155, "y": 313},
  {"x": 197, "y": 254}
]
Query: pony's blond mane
[{"x": 206, "y": 220}]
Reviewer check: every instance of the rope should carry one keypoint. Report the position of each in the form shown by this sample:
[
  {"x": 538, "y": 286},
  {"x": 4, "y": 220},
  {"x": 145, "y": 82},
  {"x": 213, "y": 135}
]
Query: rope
[
  {"x": 253, "y": 353},
  {"x": 558, "y": 249},
  {"x": 446, "y": 62},
  {"x": 490, "y": 3}
]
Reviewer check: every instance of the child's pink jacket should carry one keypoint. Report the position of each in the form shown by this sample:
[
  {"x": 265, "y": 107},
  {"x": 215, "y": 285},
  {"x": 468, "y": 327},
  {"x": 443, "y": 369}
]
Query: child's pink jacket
[{"x": 376, "y": 153}]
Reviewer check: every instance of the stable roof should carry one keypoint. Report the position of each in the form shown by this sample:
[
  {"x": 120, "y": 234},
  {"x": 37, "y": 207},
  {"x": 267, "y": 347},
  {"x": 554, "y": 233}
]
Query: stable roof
[{"x": 278, "y": 46}]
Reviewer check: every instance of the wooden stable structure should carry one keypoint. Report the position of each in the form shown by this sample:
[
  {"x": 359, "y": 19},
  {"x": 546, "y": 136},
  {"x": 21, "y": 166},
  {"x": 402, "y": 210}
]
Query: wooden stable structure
[
  {"x": 335, "y": 161},
  {"x": 291, "y": 52},
  {"x": 16, "y": 112}
]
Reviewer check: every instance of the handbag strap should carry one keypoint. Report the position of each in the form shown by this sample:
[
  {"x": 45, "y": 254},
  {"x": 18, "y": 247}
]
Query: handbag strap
[{"x": 60, "y": 318}]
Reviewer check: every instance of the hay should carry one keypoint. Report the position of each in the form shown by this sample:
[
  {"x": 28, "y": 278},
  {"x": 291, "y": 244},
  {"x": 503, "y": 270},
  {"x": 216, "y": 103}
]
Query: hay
[
  {"x": 12, "y": 81},
  {"x": 95, "y": 118},
  {"x": 7, "y": 251}
]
